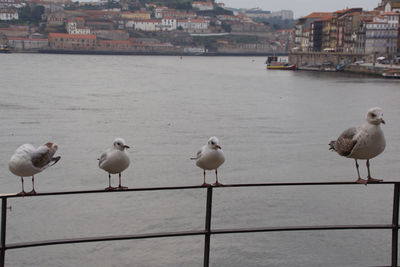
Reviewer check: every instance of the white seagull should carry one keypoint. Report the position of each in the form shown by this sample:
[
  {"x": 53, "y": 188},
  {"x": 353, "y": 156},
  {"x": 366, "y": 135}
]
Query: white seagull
[
  {"x": 210, "y": 157},
  {"x": 115, "y": 160},
  {"x": 28, "y": 160},
  {"x": 364, "y": 142}
]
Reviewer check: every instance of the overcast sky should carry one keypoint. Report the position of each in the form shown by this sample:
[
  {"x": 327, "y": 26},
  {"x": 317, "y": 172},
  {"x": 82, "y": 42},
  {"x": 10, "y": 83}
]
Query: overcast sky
[{"x": 302, "y": 7}]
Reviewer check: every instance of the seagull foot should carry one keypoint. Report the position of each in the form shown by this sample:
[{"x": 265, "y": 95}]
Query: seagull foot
[
  {"x": 120, "y": 187},
  {"x": 22, "y": 193},
  {"x": 361, "y": 181},
  {"x": 370, "y": 179},
  {"x": 217, "y": 184},
  {"x": 33, "y": 192},
  {"x": 110, "y": 188},
  {"x": 205, "y": 184}
]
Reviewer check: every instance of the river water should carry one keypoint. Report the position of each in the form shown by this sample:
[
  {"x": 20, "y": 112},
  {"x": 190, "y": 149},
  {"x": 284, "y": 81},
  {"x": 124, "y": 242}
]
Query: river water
[{"x": 274, "y": 126}]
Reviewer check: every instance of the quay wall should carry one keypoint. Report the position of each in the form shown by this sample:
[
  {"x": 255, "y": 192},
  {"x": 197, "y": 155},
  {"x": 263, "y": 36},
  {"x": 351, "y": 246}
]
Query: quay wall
[{"x": 315, "y": 58}]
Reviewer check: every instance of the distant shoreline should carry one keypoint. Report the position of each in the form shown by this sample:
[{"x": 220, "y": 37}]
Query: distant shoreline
[{"x": 79, "y": 52}]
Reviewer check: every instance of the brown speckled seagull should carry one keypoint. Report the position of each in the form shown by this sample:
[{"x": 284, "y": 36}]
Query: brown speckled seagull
[
  {"x": 364, "y": 142},
  {"x": 28, "y": 160}
]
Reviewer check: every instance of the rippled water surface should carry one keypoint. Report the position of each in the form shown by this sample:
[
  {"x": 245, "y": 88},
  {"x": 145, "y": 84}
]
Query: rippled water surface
[{"x": 274, "y": 126}]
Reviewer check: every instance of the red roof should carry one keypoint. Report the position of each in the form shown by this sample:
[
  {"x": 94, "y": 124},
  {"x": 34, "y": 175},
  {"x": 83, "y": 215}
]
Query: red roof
[{"x": 320, "y": 15}]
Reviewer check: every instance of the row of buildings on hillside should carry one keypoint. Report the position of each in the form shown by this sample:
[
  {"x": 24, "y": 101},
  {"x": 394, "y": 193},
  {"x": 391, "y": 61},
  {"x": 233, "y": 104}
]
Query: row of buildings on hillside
[
  {"x": 90, "y": 26},
  {"x": 351, "y": 31}
]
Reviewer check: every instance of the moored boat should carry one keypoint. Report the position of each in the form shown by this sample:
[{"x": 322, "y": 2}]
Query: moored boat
[
  {"x": 281, "y": 66},
  {"x": 273, "y": 64},
  {"x": 391, "y": 73},
  {"x": 4, "y": 49}
]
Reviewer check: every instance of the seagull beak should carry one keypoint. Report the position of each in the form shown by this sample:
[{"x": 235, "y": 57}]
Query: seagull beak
[
  {"x": 217, "y": 146},
  {"x": 125, "y": 146},
  {"x": 383, "y": 121}
]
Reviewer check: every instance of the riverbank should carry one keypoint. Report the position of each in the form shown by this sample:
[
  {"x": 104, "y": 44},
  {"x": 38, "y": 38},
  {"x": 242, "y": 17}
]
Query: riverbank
[{"x": 150, "y": 53}]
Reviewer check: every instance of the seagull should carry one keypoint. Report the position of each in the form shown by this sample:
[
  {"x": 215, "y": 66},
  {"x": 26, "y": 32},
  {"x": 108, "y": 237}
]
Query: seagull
[
  {"x": 364, "y": 142},
  {"x": 210, "y": 157},
  {"x": 28, "y": 160},
  {"x": 115, "y": 160}
]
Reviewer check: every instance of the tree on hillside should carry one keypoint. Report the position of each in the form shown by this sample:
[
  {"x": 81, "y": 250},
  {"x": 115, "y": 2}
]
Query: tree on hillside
[{"x": 31, "y": 14}]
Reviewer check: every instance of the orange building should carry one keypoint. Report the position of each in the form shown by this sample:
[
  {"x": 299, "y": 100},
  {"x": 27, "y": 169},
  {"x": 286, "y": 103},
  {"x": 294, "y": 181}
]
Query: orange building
[{"x": 72, "y": 41}]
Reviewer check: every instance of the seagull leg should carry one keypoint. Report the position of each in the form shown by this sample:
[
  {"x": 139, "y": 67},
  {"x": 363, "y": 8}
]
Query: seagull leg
[
  {"x": 109, "y": 188},
  {"x": 204, "y": 177},
  {"x": 22, "y": 193},
  {"x": 216, "y": 179},
  {"x": 370, "y": 179},
  {"x": 359, "y": 180},
  {"x": 33, "y": 192},
  {"x": 120, "y": 187}
]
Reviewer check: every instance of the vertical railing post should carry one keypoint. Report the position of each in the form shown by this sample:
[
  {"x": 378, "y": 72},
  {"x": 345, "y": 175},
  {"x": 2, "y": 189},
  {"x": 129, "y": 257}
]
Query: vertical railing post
[
  {"x": 3, "y": 231},
  {"x": 395, "y": 224},
  {"x": 208, "y": 227}
]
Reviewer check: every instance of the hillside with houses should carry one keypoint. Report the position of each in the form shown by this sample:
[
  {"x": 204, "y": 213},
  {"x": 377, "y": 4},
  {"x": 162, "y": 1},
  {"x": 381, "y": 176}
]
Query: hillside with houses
[{"x": 141, "y": 27}]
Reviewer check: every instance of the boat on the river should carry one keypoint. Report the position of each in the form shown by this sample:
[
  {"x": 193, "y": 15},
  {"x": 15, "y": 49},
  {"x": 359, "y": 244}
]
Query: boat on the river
[
  {"x": 391, "y": 73},
  {"x": 4, "y": 49},
  {"x": 273, "y": 64}
]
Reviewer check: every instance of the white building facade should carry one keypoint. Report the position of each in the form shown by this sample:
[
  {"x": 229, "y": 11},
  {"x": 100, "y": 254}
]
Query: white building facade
[
  {"x": 382, "y": 34},
  {"x": 8, "y": 14}
]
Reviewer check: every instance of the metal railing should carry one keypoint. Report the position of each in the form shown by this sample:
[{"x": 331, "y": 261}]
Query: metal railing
[{"x": 208, "y": 231}]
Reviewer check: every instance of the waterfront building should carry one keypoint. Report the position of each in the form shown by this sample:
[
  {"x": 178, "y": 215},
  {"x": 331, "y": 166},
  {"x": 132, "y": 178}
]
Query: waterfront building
[
  {"x": 72, "y": 41},
  {"x": 167, "y": 24},
  {"x": 20, "y": 43},
  {"x": 16, "y": 31},
  {"x": 193, "y": 24},
  {"x": 8, "y": 14},
  {"x": 316, "y": 35},
  {"x": 390, "y": 6},
  {"x": 303, "y": 28},
  {"x": 149, "y": 25},
  {"x": 114, "y": 45},
  {"x": 77, "y": 26},
  {"x": 382, "y": 34},
  {"x": 158, "y": 11},
  {"x": 11, "y": 3}
]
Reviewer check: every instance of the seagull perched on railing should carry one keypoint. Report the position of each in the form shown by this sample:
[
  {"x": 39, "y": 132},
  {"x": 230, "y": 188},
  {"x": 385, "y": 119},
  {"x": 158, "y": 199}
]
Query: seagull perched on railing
[
  {"x": 28, "y": 160},
  {"x": 364, "y": 142},
  {"x": 115, "y": 160},
  {"x": 210, "y": 157}
]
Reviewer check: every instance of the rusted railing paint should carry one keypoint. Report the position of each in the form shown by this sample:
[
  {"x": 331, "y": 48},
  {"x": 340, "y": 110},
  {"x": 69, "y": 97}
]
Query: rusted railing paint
[{"x": 208, "y": 231}]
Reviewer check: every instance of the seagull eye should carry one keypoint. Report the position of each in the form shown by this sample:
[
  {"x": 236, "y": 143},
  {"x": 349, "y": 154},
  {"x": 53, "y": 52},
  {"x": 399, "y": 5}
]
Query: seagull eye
[{"x": 373, "y": 115}]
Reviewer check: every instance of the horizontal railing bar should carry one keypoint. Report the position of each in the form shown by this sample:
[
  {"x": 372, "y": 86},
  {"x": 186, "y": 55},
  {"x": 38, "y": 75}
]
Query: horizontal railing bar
[
  {"x": 194, "y": 233},
  {"x": 102, "y": 238},
  {"x": 15, "y": 195},
  {"x": 303, "y": 228}
]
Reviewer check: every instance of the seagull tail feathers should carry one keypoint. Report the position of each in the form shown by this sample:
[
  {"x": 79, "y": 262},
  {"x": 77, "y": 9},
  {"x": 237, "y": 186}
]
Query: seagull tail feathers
[
  {"x": 332, "y": 145},
  {"x": 54, "y": 160}
]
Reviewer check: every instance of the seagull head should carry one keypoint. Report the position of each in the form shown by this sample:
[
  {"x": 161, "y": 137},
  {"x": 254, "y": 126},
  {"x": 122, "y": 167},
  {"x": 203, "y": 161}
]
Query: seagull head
[
  {"x": 375, "y": 116},
  {"x": 213, "y": 143},
  {"x": 51, "y": 145},
  {"x": 119, "y": 144}
]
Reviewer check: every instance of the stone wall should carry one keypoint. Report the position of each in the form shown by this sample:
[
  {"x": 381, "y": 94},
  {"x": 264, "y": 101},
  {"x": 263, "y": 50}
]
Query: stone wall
[{"x": 315, "y": 58}]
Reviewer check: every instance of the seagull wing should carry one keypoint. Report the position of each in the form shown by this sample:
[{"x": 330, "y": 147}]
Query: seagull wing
[
  {"x": 42, "y": 157},
  {"x": 198, "y": 155},
  {"x": 345, "y": 143},
  {"x": 102, "y": 158}
]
